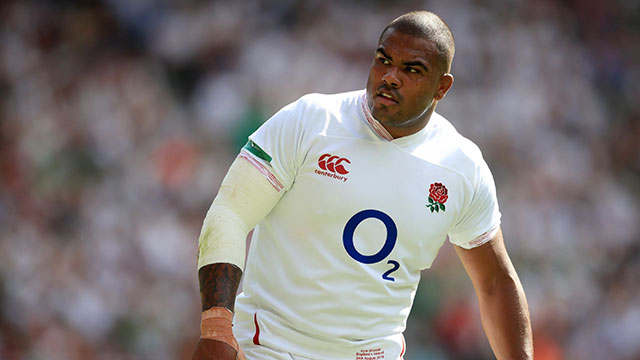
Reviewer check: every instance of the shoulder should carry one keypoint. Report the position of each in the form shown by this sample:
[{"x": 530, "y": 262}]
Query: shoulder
[
  {"x": 451, "y": 149},
  {"x": 328, "y": 102},
  {"x": 316, "y": 109},
  {"x": 327, "y": 114}
]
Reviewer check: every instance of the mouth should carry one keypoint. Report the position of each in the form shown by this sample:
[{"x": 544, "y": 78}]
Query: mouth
[{"x": 386, "y": 97}]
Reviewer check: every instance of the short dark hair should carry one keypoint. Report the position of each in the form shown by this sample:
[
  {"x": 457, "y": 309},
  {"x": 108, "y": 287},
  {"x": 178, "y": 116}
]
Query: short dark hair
[{"x": 429, "y": 26}]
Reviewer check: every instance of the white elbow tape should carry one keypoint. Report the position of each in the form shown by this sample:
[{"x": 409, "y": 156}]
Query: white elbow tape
[{"x": 244, "y": 199}]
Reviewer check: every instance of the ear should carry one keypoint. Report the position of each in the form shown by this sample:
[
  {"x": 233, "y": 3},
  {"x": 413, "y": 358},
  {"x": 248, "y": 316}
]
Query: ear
[{"x": 444, "y": 84}]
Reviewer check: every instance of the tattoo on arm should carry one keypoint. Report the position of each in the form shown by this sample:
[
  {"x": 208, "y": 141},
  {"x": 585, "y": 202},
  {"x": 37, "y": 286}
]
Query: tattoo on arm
[{"x": 218, "y": 285}]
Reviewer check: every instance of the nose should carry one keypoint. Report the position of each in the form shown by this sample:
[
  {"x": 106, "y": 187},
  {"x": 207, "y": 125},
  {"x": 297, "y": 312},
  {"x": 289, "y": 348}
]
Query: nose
[{"x": 390, "y": 78}]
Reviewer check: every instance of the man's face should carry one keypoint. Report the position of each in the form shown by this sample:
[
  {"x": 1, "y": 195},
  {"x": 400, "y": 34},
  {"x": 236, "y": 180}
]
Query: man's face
[{"x": 404, "y": 80}]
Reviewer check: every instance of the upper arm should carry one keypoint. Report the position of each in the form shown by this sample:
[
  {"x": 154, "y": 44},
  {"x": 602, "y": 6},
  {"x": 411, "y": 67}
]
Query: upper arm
[
  {"x": 246, "y": 196},
  {"x": 487, "y": 264},
  {"x": 281, "y": 142}
]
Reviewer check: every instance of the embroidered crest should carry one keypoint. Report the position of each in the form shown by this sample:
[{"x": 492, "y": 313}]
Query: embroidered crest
[{"x": 438, "y": 195}]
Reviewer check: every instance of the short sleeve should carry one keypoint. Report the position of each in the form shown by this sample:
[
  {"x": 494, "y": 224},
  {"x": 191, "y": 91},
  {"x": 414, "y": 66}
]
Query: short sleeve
[
  {"x": 480, "y": 219},
  {"x": 275, "y": 147}
]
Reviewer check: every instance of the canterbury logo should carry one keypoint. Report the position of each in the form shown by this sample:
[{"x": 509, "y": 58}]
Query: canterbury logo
[
  {"x": 333, "y": 163},
  {"x": 334, "y": 166}
]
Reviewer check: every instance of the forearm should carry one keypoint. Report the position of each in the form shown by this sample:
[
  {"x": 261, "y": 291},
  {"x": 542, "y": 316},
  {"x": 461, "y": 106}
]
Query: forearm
[
  {"x": 218, "y": 285},
  {"x": 505, "y": 318}
]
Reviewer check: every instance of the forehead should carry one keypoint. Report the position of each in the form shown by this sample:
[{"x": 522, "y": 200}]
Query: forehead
[{"x": 408, "y": 46}]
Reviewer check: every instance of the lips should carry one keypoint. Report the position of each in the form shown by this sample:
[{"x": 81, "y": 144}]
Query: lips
[
  {"x": 386, "y": 99},
  {"x": 386, "y": 96}
]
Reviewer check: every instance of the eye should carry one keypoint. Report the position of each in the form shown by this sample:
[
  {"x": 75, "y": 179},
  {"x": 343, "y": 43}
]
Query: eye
[
  {"x": 384, "y": 61},
  {"x": 413, "y": 70}
]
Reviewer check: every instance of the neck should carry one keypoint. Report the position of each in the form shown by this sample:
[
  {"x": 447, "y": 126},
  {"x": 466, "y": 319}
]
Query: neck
[{"x": 411, "y": 126}]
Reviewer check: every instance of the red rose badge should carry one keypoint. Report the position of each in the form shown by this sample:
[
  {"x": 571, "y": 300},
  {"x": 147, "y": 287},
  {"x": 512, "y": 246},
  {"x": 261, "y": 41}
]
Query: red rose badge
[{"x": 438, "y": 195}]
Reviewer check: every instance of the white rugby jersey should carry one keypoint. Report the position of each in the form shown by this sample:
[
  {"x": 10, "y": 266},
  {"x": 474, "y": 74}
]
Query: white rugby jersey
[{"x": 333, "y": 269}]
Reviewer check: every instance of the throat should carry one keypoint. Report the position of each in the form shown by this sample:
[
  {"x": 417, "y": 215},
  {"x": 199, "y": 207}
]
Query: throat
[{"x": 410, "y": 126}]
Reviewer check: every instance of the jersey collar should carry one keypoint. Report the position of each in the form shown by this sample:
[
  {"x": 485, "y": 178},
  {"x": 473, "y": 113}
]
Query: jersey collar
[
  {"x": 377, "y": 127},
  {"x": 375, "y": 124}
]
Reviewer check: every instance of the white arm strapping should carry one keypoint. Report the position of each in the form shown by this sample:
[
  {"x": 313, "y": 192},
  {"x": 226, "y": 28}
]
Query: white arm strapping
[{"x": 244, "y": 199}]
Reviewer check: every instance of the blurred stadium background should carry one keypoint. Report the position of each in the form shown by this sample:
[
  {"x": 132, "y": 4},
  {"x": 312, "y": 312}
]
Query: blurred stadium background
[{"x": 118, "y": 119}]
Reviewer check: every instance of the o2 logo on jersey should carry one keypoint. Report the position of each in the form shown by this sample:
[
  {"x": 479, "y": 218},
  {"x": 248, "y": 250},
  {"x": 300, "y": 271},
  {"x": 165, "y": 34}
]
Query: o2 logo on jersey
[
  {"x": 389, "y": 243},
  {"x": 333, "y": 163}
]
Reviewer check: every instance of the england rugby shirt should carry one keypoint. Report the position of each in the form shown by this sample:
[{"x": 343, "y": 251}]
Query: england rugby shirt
[{"x": 333, "y": 269}]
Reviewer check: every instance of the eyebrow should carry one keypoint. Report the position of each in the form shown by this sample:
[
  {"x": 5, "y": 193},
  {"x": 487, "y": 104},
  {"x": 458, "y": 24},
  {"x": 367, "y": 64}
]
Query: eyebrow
[{"x": 416, "y": 63}]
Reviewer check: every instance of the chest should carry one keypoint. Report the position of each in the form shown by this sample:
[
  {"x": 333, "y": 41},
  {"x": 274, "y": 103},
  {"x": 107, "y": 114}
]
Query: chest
[{"x": 378, "y": 198}]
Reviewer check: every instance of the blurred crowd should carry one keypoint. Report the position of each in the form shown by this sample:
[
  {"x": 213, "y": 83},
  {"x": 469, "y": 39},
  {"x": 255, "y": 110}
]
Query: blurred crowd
[{"x": 118, "y": 120}]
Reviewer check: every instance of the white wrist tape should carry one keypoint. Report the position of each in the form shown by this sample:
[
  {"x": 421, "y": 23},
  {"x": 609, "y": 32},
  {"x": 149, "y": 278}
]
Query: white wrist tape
[{"x": 244, "y": 199}]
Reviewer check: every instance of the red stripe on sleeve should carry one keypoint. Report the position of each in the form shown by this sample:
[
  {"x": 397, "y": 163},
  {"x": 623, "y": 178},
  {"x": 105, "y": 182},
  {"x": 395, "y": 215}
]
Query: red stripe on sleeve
[{"x": 265, "y": 172}]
